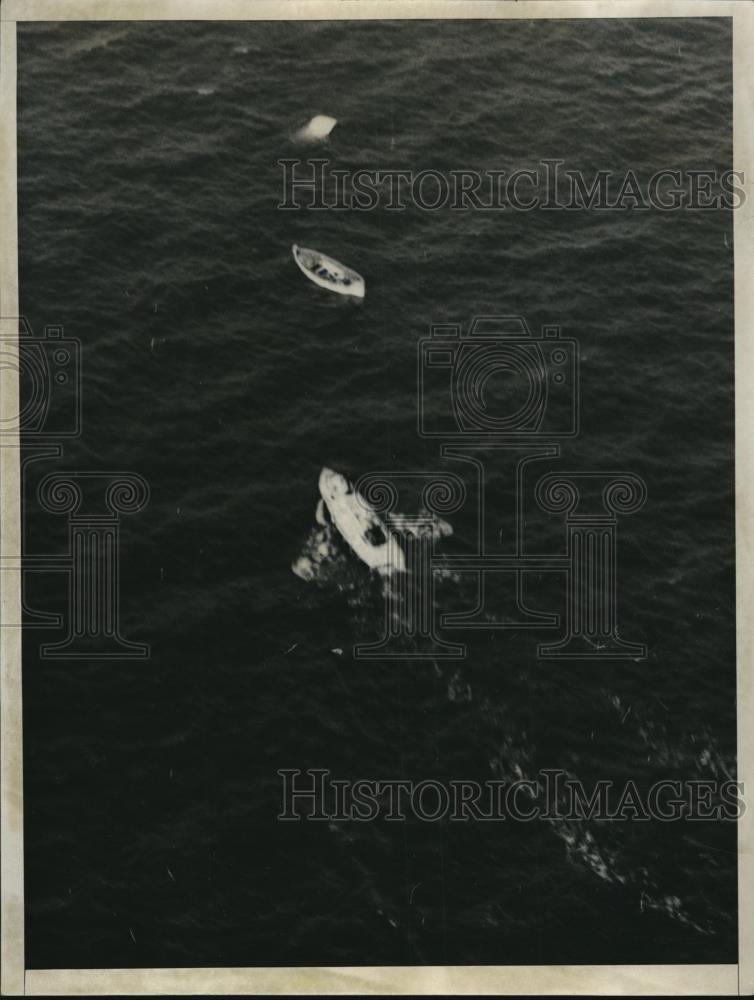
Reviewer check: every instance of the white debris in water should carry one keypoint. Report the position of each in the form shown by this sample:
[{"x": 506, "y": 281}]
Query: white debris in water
[
  {"x": 318, "y": 128},
  {"x": 458, "y": 689},
  {"x": 304, "y": 569},
  {"x": 319, "y": 550}
]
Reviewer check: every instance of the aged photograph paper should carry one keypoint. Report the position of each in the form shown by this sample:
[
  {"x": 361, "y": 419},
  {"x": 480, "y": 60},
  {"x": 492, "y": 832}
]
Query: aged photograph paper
[{"x": 376, "y": 498}]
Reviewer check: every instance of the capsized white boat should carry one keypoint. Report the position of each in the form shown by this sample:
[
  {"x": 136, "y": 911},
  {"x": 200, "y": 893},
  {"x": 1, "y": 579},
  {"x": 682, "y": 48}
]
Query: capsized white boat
[
  {"x": 359, "y": 525},
  {"x": 328, "y": 273},
  {"x": 319, "y": 127}
]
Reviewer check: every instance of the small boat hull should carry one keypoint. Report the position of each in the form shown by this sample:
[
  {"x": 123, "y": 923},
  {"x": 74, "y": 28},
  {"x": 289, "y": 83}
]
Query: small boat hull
[
  {"x": 329, "y": 273},
  {"x": 359, "y": 525}
]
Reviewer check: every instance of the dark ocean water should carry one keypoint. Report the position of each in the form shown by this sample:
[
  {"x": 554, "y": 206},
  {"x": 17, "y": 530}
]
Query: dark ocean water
[{"x": 148, "y": 185}]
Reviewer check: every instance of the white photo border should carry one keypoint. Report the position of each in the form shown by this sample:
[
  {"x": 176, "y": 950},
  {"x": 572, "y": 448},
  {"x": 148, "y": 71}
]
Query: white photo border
[{"x": 647, "y": 980}]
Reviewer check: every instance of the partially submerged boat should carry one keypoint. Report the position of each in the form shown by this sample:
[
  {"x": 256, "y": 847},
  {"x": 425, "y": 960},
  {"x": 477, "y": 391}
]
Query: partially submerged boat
[
  {"x": 319, "y": 127},
  {"x": 359, "y": 525},
  {"x": 329, "y": 273}
]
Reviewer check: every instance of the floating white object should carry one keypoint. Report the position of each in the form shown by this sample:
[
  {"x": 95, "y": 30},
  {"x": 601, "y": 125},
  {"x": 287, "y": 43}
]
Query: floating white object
[
  {"x": 329, "y": 273},
  {"x": 359, "y": 525},
  {"x": 318, "y": 128}
]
